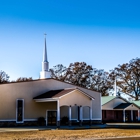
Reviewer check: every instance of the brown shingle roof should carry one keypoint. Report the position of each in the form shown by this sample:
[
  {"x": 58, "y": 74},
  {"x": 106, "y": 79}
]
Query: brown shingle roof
[
  {"x": 58, "y": 93},
  {"x": 54, "y": 93}
]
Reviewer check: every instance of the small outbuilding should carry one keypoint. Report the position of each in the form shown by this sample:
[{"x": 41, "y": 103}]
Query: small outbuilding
[{"x": 117, "y": 109}]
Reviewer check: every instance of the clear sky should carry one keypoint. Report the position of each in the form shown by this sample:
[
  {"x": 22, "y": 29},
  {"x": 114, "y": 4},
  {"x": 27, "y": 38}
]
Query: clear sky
[{"x": 102, "y": 33}]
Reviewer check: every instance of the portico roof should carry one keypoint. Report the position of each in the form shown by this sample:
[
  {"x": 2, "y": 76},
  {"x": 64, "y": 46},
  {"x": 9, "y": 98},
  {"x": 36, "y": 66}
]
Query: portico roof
[
  {"x": 55, "y": 94},
  {"x": 123, "y": 106}
]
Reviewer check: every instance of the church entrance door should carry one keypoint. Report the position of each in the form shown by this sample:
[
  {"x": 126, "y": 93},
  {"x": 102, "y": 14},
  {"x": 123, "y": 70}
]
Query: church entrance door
[{"x": 51, "y": 118}]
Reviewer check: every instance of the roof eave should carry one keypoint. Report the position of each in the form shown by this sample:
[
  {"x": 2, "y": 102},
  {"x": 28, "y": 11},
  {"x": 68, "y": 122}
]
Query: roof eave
[{"x": 46, "y": 99}]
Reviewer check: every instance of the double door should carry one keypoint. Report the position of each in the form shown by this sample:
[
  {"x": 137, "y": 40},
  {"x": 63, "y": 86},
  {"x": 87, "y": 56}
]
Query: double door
[{"x": 51, "y": 118}]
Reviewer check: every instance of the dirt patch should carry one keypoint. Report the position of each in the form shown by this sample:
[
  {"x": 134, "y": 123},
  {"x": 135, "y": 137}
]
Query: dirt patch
[{"x": 88, "y": 134}]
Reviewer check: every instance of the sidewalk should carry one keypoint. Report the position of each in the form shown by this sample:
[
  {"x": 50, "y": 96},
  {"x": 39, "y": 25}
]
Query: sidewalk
[{"x": 101, "y": 126}]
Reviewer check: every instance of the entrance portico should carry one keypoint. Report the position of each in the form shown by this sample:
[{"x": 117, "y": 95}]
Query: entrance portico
[
  {"x": 130, "y": 111},
  {"x": 72, "y": 105}
]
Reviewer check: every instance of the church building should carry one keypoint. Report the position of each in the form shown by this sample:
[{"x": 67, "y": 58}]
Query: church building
[{"x": 48, "y": 101}]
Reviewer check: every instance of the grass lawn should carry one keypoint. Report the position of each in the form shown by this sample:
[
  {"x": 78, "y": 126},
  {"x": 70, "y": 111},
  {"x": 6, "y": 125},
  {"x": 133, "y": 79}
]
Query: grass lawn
[{"x": 88, "y": 134}]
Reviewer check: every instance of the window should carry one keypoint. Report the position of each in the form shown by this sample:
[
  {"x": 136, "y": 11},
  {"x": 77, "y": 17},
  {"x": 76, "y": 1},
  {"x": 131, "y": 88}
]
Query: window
[{"x": 20, "y": 111}]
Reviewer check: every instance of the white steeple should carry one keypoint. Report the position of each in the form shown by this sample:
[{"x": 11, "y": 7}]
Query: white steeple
[
  {"x": 45, "y": 73},
  {"x": 115, "y": 87}
]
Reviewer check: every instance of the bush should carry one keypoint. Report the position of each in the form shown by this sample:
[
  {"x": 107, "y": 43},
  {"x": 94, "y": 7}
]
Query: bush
[
  {"x": 41, "y": 121},
  {"x": 65, "y": 120}
]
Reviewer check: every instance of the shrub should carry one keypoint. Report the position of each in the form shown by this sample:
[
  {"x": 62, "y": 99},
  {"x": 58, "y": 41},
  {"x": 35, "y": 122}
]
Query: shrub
[
  {"x": 41, "y": 121},
  {"x": 65, "y": 120}
]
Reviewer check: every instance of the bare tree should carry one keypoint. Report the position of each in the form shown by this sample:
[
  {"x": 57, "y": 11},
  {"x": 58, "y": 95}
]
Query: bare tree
[
  {"x": 59, "y": 72},
  {"x": 20, "y": 79},
  {"x": 101, "y": 82},
  {"x": 129, "y": 78},
  {"x": 4, "y": 78}
]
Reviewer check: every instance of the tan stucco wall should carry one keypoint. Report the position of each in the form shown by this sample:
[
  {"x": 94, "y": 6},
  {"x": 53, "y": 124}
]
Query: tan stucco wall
[
  {"x": 132, "y": 107},
  {"x": 75, "y": 97},
  {"x": 27, "y": 90}
]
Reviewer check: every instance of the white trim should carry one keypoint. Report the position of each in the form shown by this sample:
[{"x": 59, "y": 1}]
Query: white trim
[
  {"x": 22, "y": 111},
  {"x": 75, "y": 120},
  {"x": 90, "y": 111},
  {"x": 96, "y": 119},
  {"x": 69, "y": 113},
  {"x": 100, "y": 106},
  {"x": 124, "y": 115},
  {"x": 138, "y": 115},
  {"x": 30, "y": 119},
  {"x": 58, "y": 111},
  {"x": 46, "y": 100},
  {"x": 86, "y": 119},
  {"x": 15, "y": 120},
  {"x": 47, "y": 115},
  {"x": 81, "y": 113},
  {"x": 8, "y": 120}
]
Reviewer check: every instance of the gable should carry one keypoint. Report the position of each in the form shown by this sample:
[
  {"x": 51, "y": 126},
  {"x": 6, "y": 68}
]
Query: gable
[
  {"x": 106, "y": 99},
  {"x": 75, "y": 97},
  {"x": 113, "y": 103},
  {"x": 126, "y": 106}
]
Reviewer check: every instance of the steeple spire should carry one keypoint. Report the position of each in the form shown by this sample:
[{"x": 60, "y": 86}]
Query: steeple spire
[
  {"x": 115, "y": 86},
  {"x": 45, "y": 59},
  {"x": 45, "y": 64}
]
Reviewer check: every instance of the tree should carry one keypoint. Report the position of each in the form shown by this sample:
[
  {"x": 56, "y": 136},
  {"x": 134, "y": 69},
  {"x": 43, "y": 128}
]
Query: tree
[
  {"x": 79, "y": 73},
  {"x": 128, "y": 76},
  {"x": 59, "y": 72},
  {"x": 4, "y": 78},
  {"x": 20, "y": 79},
  {"x": 101, "y": 82}
]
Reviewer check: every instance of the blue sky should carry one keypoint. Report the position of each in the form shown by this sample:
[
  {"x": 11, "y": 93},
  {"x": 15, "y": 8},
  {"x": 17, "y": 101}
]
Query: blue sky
[{"x": 102, "y": 33}]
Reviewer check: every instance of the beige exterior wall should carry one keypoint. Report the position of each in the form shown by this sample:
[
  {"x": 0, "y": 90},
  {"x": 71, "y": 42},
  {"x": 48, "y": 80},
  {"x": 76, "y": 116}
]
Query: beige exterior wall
[
  {"x": 9, "y": 93},
  {"x": 113, "y": 103},
  {"x": 132, "y": 107},
  {"x": 75, "y": 98}
]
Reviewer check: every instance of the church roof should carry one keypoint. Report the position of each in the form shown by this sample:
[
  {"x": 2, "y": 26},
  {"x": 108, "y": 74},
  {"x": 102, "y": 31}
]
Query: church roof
[
  {"x": 59, "y": 93},
  {"x": 123, "y": 106},
  {"x": 106, "y": 99},
  {"x": 48, "y": 79},
  {"x": 137, "y": 103},
  {"x": 53, "y": 93}
]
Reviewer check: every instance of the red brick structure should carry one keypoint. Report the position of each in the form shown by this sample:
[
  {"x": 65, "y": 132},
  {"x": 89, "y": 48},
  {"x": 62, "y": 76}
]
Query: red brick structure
[{"x": 117, "y": 109}]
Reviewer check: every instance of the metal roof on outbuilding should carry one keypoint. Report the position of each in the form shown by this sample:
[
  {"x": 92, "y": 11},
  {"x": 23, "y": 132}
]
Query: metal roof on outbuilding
[
  {"x": 106, "y": 99},
  {"x": 137, "y": 103}
]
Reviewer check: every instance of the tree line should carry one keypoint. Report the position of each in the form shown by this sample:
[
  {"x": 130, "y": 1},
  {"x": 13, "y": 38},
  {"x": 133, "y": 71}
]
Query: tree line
[{"x": 127, "y": 77}]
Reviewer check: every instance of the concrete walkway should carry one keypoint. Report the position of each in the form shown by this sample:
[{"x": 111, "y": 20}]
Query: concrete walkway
[
  {"x": 123, "y": 125},
  {"x": 101, "y": 126}
]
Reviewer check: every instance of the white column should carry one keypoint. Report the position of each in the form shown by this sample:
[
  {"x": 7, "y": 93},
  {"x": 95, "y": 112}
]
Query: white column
[
  {"x": 81, "y": 113},
  {"x": 58, "y": 113},
  {"x": 46, "y": 117},
  {"x": 138, "y": 115},
  {"x": 91, "y": 111},
  {"x": 123, "y": 115},
  {"x": 69, "y": 113},
  {"x": 132, "y": 115}
]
